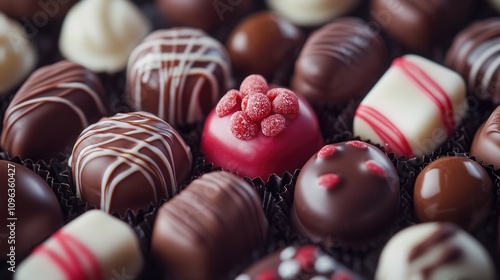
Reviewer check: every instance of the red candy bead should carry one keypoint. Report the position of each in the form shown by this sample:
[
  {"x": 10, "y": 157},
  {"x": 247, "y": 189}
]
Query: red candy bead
[
  {"x": 357, "y": 144},
  {"x": 267, "y": 275},
  {"x": 327, "y": 151},
  {"x": 306, "y": 256},
  {"x": 242, "y": 127},
  {"x": 256, "y": 106},
  {"x": 228, "y": 103},
  {"x": 329, "y": 181},
  {"x": 376, "y": 168},
  {"x": 273, "y": 125},
  {"x": 253, "y": 84},
  {"x": 285, "y": 102}
]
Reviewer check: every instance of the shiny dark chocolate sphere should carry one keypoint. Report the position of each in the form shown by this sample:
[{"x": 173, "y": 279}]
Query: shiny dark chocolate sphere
[{"x": 453, "y": 189}]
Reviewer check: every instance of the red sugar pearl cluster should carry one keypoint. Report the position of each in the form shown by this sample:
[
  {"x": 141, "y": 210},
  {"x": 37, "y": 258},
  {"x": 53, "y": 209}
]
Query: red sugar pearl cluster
[{"x": 256, "y": 108}]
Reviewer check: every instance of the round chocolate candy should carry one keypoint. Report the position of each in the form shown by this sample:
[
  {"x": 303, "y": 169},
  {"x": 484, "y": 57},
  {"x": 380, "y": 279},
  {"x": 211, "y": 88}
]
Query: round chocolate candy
[
  {"x": 346, "y": 193},
  {"x": 475, "y": 55},
  {"x": 51, "y": 109},
  {"x": 486, "y": 143},
  {"x": 204, "y": 14},
  {"x": 19, "y": 56},
  {"x": 129, "y": 161},
  {"x": 434, "y": 251},
  {"x": 311, "y": 12},
  {"x": 340, "y": 61},
  {"x": 178, "y": 74},
  {"x": 453, "y": 189},
  {"x": 258, "y": 131},
  {"x": 30, "y": 210},
  {"x": 263, "y": 44},
  {"x": 297, "y": 262}
]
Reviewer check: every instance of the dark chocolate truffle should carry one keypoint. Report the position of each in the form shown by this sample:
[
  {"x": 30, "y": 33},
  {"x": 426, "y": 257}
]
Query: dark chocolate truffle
[
  {"x": 30, "y": 211},
  {"x": 297, "y": 262},
  {"x": 178, "y": 74},
  {"x": 51, "y": 109},
  {"x": 420, "y": 25},
  {"x": 340, "y": 61},
  {"x": 453, "y": 189},
  {"x": 475, "y": 54},
  {"x": 347, "y": 192},
  {"x": 258, "y": 131},
  {"x": 129, "y": 161},
  {"x": 204, "y": 14},
  {"x": 36, "y": 13},
  {"x": 209, "y": 227},
  {"x": 263, "y": 44},
  {"x": 486, "y": 143}
]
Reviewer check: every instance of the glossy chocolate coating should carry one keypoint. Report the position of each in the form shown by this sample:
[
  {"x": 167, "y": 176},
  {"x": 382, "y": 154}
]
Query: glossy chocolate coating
[
  {"x": 340, "y": 61},
  {"x": 128, "y": 161},
  {"x": 475, "y": 54},
  {"x": 347, "y": 192},
  {"x": 36, "y": 12},
  {"x": 204, "y": 14},
  {"x": 263, "y": 43},
  {"x": 51, "y": 109},
  {"x": 36, "y": 208},
  {"x": 209, "y": 227},
  {"x": 453, "y": 189},
  {"x": 297, "y": 262},
  {"x": 486, "y": 143},
  {"x": 420, "y": 25},
  {"x": 178, "y": 74},
  {"x": 262, "y": 155}
]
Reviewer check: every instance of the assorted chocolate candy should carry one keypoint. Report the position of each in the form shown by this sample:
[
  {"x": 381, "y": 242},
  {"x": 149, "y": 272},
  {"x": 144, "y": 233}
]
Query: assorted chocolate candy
[{"x": 216, "y": 138}]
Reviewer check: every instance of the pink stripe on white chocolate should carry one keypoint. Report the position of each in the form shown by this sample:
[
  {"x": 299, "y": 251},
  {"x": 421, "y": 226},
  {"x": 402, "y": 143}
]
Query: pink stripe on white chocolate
[
  {"x": 431, "y": 89},
  {"x": 72, "y": 257},
  {"x": 393, "y": 139}
]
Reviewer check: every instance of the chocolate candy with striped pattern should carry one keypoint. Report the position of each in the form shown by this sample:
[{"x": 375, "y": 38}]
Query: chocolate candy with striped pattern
[
  {"x": 340, "y": 61},
  {"x": 347, "y": 192},
  {"x": 128, "y": 161},
  {"x": 414, "y": 107},
  {"x": 51, "y": 109},
  {"x": 178, "y": 74},
  {"x": 94, "y": 246},
  {"x": 475, "y": 54},
  {"x": 486, "y": 143},
  {"x": 209, "y": 227}
]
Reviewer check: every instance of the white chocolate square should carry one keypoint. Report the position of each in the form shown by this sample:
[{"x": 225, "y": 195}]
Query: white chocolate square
[
  {"x": 95, "y": 244},
  {"x": 413, "y": 108}
]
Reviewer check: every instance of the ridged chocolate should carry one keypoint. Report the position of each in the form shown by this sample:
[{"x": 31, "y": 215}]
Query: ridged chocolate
[
  {"x": 340, "y": 61},
  {"x": 178, "y": 74},
  {"x": 129, "y": 161},
  {"x": 486, "y": 143},
  {"x": 51, "y": 109},
  {"x": 209, "y": 227},
  {"x": 475, "y": 54}
]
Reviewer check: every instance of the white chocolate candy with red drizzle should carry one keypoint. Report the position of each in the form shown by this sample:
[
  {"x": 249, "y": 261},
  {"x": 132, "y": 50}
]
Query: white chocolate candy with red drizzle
[
  {"x": 95, "y": 246},
  {"x": 434, "y": 251},
  {"x": 178, "y": 74},
  {"x": 414, "y": 107},
  {"x": 129, "y": 161}
]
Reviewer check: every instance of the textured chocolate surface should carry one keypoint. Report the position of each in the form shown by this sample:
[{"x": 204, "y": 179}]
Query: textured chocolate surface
[
  {"x": 347, "y": 192},
  {"x": 297, "y": 262},
  {"x": 475, "y": 54},
  {"x": 51, "y": 109},
  {"x": 203, "y": 14},
  {"x": 36, "y": 210},
  {"x": 129, "y": 161},
  {"x": 178, "y": 74},
  {"x": 486, "y": 143},
  {"x": 453, "y": 189},
  {"x": 209, "y": 227},
  {"x": 340, "y": 61},
  {"x": 420, "y": 25},
  {"x": 263, "y": 43}
]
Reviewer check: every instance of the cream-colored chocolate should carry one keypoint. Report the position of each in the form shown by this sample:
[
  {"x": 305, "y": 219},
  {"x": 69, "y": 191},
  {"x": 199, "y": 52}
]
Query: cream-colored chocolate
[
  {"x": 96, "y": 245},
  {"x": 18, "y": 56},
  {"x": 101, "y": 34}
]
